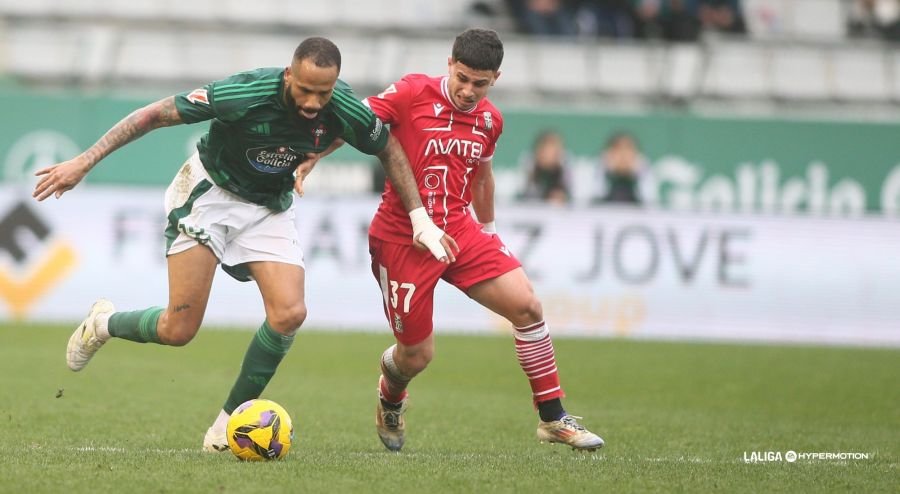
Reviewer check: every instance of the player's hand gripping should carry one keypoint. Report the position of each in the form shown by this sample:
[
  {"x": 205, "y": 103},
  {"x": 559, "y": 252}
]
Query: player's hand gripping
[
  {"x": 426, "y": 235},
  {"x": 60, "y": 178}
]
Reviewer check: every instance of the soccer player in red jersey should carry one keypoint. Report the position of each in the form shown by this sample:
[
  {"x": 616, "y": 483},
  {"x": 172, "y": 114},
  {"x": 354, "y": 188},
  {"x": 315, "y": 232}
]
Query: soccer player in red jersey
[{"x": 449, "y": 130}]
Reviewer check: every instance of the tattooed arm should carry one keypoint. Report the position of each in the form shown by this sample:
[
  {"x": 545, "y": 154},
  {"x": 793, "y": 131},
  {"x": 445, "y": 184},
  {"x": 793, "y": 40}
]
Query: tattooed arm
[
  {"x": 398, "y": 170},
  {"x": 426, "y": 234},
  {"x": 59, "y": 178}
]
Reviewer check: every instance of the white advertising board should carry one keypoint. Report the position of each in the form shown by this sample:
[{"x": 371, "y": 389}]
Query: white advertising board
[{"x": 599, "y": 272}]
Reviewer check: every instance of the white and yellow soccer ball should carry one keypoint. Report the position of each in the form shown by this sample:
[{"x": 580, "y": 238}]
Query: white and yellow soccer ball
[{"x": 260, "y": 430}]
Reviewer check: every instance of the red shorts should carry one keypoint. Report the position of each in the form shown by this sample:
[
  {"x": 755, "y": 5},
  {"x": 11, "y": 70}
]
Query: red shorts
[{"x": 407, "y": 277}]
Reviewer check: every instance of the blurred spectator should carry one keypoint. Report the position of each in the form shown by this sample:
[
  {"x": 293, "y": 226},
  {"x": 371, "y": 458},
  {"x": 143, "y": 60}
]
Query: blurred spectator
[
  {"x": 543, "y": 17},
  {"x": 723, "y": 16},
  {"x": 622, "y": 171},
  {"x": 548, "y": 178},
  {"x": 673, "y": 20},
  {"x": 606, "y": 18},
  {"x": 875, "y": 19}
]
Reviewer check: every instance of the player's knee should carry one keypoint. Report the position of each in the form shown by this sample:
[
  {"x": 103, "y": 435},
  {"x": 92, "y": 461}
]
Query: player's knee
[
  {"x": 416, "y": 361},
  {"x": 177, "y": 333},
  {"x": 287, "y": 320},
  {"x": 530, "y": 311}
]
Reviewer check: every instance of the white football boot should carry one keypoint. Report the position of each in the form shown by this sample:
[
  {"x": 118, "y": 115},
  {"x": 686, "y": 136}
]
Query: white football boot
[
  {"x": 85, "y": 341},
  {"x": 390, "y": 424},
  {"x": 215, "y": 440},
  {"x": 567, "y": 430}
]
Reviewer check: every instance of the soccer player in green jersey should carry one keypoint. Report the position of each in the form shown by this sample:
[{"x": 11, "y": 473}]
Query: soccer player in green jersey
[{"x": 232, "y": 203}]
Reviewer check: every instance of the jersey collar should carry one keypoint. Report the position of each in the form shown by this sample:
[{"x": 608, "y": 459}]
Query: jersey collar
[{"x": 445, "y": 90}]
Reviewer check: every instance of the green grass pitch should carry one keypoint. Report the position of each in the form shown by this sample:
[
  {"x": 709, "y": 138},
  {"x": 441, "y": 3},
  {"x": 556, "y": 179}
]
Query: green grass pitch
[{"x": 676, "y": 417}]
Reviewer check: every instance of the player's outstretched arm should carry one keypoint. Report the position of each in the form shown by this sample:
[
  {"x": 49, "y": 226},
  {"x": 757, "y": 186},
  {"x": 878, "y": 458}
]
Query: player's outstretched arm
[
  {"x": 483, "y": 196},
  {"x": 425, "y": 233},
  {"x": 62, "y": 177}
]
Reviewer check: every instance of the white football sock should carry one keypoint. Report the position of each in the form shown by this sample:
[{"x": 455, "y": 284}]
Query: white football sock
[
  {"x": 221, "y": 421},
  {"x": 101, "y": 326}
]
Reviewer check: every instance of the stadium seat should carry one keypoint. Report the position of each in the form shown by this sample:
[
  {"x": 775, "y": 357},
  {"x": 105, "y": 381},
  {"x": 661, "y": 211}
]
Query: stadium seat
[
  {"x": 561, "y": 67},
  {"x": 82, "y": 8},
  {"x": 98, "y": 48},
  {"x": 43, "y": 51},
  {"x": 367, "y": 13},
  {"x": 422, "y": 13},
  {"x": 894, "y": 60},
  {"x": 517, "y": 72},
  {"x": 359, "y": 56},
  {"x": 625, "y": 69},
  {"x": 267, "y": 51},
  {"x": 31, "y": 8},
  {"x": 800, "y": 73},
  {"x": 682, "y": 70},
  {"x": 860, "y": 75},
  {"x": 425, "y": 56},
  {"x": 213, "y": 56},
  {"x": 268, "y": 12},
  {"x": 136, "y": 9},
  {"x": 148, "y": 55},
  {"x": 311, "y": 14},
  {"x": 737, "y": 70}
]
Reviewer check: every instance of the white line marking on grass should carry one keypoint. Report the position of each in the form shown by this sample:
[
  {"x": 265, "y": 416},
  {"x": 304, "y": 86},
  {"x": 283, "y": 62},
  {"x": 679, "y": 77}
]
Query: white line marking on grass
[
  {"x": 117, "y": 449},
  {"x": 113, "y": 449},
  {"x": 578, "y": 455},
  {"x": 474, "y": 456},
  {"x": 680, "y": 459}
]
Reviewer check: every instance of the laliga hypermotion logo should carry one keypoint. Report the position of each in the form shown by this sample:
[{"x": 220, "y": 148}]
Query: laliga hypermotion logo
[{"x": 34, "y": 269}]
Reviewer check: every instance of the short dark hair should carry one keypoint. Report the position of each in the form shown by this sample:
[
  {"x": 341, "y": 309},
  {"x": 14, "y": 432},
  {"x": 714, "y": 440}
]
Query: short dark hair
[
  {"x": 480, "y": 49},
  {"x": 618, "y": 136},
  {"x": 321, "y": 51}
]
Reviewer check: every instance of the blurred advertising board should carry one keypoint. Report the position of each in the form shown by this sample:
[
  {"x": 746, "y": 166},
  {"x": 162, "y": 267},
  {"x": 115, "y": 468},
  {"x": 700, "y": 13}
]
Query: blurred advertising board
[
  {"x": 819, "y": 167},
  {"x": 600, "y": 272}
]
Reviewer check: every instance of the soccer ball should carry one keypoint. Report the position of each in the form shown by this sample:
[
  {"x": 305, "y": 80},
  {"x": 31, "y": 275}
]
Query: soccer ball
[{"x": 260, "y": 430}]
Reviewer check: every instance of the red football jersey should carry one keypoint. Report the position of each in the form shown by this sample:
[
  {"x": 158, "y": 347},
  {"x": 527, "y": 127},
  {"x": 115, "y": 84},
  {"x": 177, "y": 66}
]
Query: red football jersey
[{"x": 445, "y": 146}]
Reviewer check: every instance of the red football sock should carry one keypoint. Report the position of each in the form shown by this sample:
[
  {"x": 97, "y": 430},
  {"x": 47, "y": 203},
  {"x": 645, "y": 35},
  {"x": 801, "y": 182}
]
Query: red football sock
[
  {"x": 392, "y": 382},
  {"x": 535, "y": 352}
]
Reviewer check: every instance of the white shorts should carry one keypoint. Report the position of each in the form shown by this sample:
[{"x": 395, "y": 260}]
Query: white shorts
[{"x": 236, "y": 230}]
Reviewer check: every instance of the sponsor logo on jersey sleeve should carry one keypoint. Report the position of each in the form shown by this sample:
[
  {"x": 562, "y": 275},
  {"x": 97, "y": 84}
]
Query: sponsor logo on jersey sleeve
[
  {"x": 390, "y": 90},
  {"x": 198, "y": 96},
  {"x": 376, "y": 132}
]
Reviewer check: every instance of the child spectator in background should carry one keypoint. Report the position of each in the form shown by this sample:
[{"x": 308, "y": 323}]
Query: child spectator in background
[
  {"x": 548, "y": 178},
  {"x": 622, "y": 171}
]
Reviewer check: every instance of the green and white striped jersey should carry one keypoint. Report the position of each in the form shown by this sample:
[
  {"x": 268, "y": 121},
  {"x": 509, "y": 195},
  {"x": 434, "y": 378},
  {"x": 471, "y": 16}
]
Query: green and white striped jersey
[{"x": 255, "y": 142}]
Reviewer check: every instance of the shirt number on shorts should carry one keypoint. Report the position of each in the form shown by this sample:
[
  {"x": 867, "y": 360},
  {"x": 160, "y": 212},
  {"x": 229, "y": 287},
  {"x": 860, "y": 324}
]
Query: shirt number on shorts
[{"x": 410, "y": 289}]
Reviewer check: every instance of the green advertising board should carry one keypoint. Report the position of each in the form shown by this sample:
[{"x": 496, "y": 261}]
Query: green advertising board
[{"x": 828, "y": 167}]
